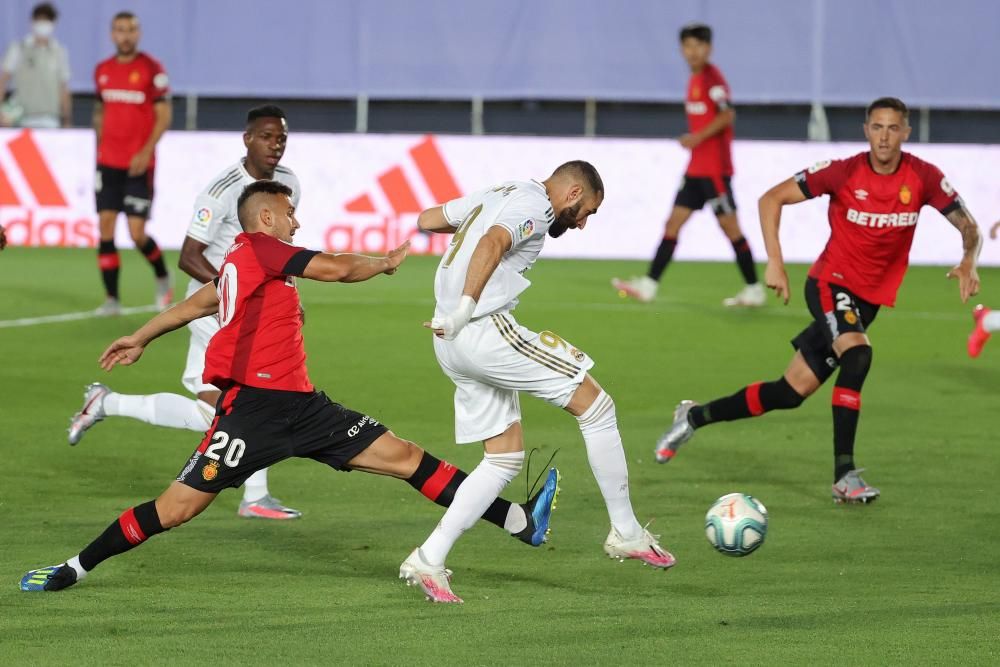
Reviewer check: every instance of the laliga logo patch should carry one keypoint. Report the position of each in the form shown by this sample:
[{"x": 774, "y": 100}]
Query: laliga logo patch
[
  {"x": 527, "y": 227},
  {"x": 904, "y": 195},
  {"x": 211, "y": 471},
  {"x": 160, "y": 80},
  {"x": 204, "y": 215}
]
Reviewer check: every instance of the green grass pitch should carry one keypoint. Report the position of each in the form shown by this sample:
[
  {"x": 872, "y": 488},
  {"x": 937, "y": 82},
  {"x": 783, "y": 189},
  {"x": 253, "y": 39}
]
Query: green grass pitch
[{"x": 912, "y": 579}]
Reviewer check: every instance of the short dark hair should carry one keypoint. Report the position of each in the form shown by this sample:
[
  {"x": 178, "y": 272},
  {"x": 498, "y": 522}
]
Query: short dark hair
[
  {"x": 256, "y": 188},
  {"x": 699, "y": 31},
  {"x": 893, "y": 103},
  {"x": 124, "y": 14},
  {"x": 585, "y": 172},
  {"x": 45, "y": 10},
  {"x": 264, "y": 111}
]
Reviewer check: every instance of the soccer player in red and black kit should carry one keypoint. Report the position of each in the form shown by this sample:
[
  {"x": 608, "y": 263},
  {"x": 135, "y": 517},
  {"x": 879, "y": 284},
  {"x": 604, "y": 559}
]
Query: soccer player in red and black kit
[
  {"x": 875, "y": 198},
  {"x": 130, "y": 116},
  {"x": 269, "y": 410},
  {"x": 710, "y": 118}
]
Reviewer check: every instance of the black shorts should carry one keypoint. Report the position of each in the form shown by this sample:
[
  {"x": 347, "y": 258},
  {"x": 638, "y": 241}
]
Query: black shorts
[
  {"x": 256, "y": 428},
  {"x": 696, "y": 191},
  {"x": 117, "y": 191},
  {"x": 835, "y": 310}
]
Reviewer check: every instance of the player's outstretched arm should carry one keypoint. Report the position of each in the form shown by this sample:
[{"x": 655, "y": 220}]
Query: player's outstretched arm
[
  {"x": 127, "y": 349},
  {"x": 434, "y": 220},
  {"x": 351, "y": 268},
  {"x": 972, "y": 243},
  {"x": 769, "y": 206}
]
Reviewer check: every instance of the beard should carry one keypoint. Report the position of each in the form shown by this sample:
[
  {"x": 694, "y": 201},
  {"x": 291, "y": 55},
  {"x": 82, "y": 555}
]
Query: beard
[{"x": 565, "y": 220}]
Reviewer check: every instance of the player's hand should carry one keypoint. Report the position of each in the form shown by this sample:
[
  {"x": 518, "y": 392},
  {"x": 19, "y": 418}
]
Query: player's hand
[
  {"x": 140, "y": 163},
  {"x": 688, "y": 140},
  {"x": 448, "y": 326},
  {"x": 993, "y": 230},
  {"x": 968, "y": 280},
  {"x": 3, "y": 238},
  {"x": 395, "y": 258},
  {"x": 125, "y": 351},
  {"x": 776, "y": 278}
]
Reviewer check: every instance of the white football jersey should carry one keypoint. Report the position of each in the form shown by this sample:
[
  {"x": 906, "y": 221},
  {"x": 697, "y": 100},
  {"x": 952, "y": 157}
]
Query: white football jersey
[
  {"x": 214, "y": 221},
  {"x": 520, "y": 207}
]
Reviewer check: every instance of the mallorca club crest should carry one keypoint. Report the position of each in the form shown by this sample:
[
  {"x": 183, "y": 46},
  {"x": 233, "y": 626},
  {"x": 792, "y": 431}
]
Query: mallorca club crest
[
  {"x": 905, "y": 195},
  {"x": 210, "y": 471}
]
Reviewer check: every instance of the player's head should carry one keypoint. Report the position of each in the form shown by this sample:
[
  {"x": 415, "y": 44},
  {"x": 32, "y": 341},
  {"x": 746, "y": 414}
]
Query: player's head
[
  {"x": 266, "y": 206},
  {"x": 125, "y": 33},
  {"x": 265, "y": 137},
  {"x": 887, "y": 126},
  {"x": 575, "y": 190},
  {"x": 43, "y": 20},
  {"x": 696, "y": 45}
]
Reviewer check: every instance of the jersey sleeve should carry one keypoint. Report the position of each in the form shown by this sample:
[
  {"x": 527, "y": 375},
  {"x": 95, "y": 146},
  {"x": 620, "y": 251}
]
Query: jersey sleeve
[
  {"x": 823, "y": 178},
  {"x": 97, "y": 82},
  {"x": 456, "y": 210},
  {"x": 207, "y": 218},
  {"x": 938, "y": 191},
  {"x": 159, "y": 82},
  {"x": 278, "y": 258},
  {"x": 10, "y": 58},
  {"x": 718, "y": 92}
]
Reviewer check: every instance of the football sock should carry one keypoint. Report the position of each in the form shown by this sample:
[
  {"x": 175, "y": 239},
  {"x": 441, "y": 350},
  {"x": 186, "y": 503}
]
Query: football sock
[
  {"x": 170, "y": 410},
  {"x": 599, "y": 427},
  {"x": 854, "y": 365},
  {"x": 991, "y": 321},
  {"x": 477, "y": 492},
  {"x": 74, "y": 563},
  {"x": 134, "y": 526},
  {"x": 153, "y": 255},
  {"x": 751, "y": 401},
  {"x": 109, "y": 263},
  {"x": 664, "y": 253},
  {"x": 438, "y": 481},
  {"x": 255, "y": 487},
  {"x": 744, "y": 260}
]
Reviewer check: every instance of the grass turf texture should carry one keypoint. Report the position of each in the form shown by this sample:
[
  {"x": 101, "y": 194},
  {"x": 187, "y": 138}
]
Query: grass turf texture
[{"x": 911, "y": 579}]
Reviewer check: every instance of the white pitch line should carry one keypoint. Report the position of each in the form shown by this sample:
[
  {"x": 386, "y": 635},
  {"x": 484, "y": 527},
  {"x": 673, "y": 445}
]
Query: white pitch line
[{"x": 71, "y": 317}]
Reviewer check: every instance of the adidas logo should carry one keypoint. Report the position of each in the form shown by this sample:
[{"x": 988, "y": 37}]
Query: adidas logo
[
  {"x": 386, "y": 216},
  {"x": 28, "y": 193}
]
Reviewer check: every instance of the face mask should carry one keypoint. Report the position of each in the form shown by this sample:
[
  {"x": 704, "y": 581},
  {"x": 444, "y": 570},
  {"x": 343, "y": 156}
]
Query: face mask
[{"x": 43, "y": 29}]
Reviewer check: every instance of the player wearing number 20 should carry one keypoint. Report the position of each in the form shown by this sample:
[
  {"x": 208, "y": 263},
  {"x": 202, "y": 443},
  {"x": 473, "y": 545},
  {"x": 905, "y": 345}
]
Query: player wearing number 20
[{"x": 875, "y": 198}]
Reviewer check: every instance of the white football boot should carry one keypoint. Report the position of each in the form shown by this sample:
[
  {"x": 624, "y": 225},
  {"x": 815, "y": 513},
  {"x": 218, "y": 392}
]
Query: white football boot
[
  {"x": 641, "y": 288},
  {"x": 751, "y": 296}
]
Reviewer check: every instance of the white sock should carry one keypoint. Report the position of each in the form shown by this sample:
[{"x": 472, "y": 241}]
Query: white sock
[
  {"x": 74, "y": 563},
  {"x": 607, "y": 460},
  {"x": 991, "y": 321},
  {"x": 517, "y": 519},
  {"x": 170, "y": 410},
  {"x": 255, "y": 487},
  {"x": 476, "y": 493}
]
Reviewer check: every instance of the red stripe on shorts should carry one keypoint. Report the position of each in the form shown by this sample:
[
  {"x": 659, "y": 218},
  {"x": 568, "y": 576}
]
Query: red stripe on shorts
[
  {"x": 130, "y": 527},
  {"x": 825, "y": 296},
  {"x": 753, "y": 399},
  {"x": 846, "y": 398},
  {"x": 437, "y": 482}
]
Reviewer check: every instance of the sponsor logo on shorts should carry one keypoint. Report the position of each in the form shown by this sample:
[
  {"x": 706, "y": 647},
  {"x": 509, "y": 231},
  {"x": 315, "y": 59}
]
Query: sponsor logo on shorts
[
  {"x": 189, "y": 467},
  {"x": 211, "y": 471},
  {"x": 137, "y": 204},
  {"x": 366, "y": 420}
]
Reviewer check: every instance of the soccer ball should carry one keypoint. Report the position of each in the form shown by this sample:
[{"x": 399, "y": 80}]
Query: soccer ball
[{"x": 736, "y": 524}]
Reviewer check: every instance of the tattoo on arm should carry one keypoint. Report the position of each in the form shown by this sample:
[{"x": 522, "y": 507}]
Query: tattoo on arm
[{"x": 972, "y": 240}]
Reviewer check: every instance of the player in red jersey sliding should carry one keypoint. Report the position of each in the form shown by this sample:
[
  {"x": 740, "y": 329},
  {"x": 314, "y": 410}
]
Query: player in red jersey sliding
[
  {"x": 875, "y": 198},
  {"x": 131, "y": 114},
  {"x": 269, "y": 410},
  {"x": 710, "y": 117}
]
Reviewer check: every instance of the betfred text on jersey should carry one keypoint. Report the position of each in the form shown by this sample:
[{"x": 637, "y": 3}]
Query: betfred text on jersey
[{"x": 879, "y": 220}]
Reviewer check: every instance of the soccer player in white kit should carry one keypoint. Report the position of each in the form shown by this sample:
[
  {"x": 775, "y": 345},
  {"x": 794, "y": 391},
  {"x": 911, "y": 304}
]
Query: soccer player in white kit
[
  {"x": 212, "y": 230},
  {"x": 498, "y": 233}
]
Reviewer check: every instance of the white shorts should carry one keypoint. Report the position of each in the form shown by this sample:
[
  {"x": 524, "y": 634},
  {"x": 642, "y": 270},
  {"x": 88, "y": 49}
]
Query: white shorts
[
  {"x": 202, "y": 331},
  {"x": 494, "y": 358}
]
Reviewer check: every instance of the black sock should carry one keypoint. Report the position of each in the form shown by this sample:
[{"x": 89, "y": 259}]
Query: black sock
[
  {"x": 438, "y": 480},
  {"x": 751, "y": 401},
  {"x": 744, "y": 260},
  {"x": 109, "y": 263},
  {"x": 134, "y": 526},
  {"x": 662, "y": 258},
  {"x": 152, "y": 253},
  {"x": 854, "y": 365}
]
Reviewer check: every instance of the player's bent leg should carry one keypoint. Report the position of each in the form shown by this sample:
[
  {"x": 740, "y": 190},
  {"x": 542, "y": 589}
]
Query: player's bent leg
[
  {"x": 595, "y": 413},
  {"x": 786, "y": 393},
  {"x": 855, "y": 358},
  {"x": 147, "y": 246},
  {"x": 176, "y": 505},
  {"x": 163, "y": 409}
]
